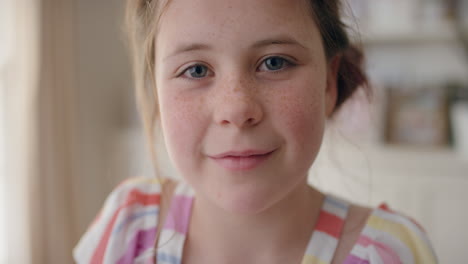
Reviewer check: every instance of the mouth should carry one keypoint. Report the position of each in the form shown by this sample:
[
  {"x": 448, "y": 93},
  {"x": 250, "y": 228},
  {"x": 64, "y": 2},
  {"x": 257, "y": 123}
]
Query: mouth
[{"x": 242, "y": 160}]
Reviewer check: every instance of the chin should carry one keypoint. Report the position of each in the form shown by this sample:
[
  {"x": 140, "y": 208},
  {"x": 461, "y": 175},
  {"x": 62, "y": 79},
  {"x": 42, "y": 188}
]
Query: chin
[{"x": 248, "y": 200}]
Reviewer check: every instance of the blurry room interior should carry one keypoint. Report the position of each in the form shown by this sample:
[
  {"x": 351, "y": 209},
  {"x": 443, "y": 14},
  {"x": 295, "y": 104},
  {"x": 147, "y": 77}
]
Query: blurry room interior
[{"x": 413, "y": 135}]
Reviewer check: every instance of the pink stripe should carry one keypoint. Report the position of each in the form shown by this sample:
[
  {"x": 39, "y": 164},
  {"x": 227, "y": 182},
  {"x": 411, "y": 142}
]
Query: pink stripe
[
  {"x": 386, "y": 253},
  {"x": 365, "y": 241},
  {"x": 142, "y": 240},
  {"x": 131, "y": 198},
  {"x": 178, "y": 217},
  {"x": 351, "y": 259}
]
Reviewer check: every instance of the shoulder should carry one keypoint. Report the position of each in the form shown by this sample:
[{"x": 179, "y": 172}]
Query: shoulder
[
  {"x": 125, "y": 227},
  {"x": 391, "y": 237}
]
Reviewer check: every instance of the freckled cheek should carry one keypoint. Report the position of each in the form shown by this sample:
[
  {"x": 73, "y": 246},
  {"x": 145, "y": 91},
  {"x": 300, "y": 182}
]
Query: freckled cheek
[
  {"x": 182, "y": 124},
  {"x": 303, "y": 116}
]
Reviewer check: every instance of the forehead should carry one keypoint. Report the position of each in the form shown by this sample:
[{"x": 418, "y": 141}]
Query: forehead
[{"x": 235, "y": 22}]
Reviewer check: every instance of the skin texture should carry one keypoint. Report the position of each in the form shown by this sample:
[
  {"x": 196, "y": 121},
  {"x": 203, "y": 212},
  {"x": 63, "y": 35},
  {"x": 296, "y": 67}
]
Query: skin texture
[
  {"x": 238, "y": 106},
  {"x": 241, "y": 104}
]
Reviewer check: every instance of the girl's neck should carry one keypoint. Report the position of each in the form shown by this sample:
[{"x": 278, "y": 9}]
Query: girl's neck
[{"x": 284, "y": 228}]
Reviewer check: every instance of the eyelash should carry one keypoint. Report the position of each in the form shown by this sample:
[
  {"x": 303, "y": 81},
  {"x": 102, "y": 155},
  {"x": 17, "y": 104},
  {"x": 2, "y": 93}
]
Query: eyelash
[{"x": 287, "y": 64}]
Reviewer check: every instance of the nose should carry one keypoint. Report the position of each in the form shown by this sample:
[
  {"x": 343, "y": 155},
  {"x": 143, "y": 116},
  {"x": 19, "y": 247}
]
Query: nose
[{"x": 239, "y": 105}]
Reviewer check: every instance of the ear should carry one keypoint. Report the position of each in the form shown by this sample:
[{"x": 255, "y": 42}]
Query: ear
[{"x": 331, "y": 93}]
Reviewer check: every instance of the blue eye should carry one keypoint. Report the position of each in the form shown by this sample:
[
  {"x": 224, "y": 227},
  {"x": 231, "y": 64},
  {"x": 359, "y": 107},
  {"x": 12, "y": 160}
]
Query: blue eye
[
  {"x": 196, "y": 71},
  {"x": 275, "y": 64}
]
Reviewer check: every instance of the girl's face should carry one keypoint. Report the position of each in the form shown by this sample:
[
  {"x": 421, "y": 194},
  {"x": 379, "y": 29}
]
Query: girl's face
[{"x": 244, "y": 90}]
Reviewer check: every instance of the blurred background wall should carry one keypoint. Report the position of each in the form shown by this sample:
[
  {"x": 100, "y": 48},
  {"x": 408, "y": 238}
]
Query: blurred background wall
[
  {"x": 69, "y": 130},
  {"x": 66, "y": 97}
]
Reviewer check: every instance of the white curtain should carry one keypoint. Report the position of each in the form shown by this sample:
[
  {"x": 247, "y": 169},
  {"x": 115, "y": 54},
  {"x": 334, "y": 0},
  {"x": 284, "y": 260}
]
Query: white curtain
[
  {"x": 38, "y": 151},
  {"x": 6, "y": 44},
  {"x": 20, "y": 88}
]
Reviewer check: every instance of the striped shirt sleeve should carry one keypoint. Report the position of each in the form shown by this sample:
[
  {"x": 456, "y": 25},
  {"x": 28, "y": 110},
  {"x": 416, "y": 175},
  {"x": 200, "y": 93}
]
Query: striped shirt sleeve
[
  {"x": 125, "y": 228},
  {"x": 390, "y": 237}
]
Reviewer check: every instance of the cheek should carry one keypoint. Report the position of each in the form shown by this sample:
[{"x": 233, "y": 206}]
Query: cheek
[
  {"x": 302, "y": 110},
  {"x": 182, "y": 124}
]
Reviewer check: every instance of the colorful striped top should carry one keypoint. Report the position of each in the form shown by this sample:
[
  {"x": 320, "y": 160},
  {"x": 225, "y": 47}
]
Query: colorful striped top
[{"x": 125, "y": 231}]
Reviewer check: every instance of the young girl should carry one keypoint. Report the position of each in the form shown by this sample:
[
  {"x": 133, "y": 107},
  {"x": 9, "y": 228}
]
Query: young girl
[{"x": 241, "y": 90}]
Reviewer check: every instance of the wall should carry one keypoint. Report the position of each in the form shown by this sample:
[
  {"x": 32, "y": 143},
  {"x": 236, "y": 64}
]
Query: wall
[{"x": 103, "y": 98}]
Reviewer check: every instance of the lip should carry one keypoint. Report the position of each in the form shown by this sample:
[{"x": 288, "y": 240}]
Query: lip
[{"x": 242, "y": 160}]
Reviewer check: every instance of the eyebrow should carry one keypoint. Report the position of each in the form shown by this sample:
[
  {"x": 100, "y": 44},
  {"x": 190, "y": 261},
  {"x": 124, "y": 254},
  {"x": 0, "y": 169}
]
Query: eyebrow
[{"x": 280, "y": 40}]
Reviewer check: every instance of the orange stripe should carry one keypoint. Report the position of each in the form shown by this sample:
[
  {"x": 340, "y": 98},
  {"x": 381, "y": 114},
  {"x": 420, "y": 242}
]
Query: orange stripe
[
  {"x": 133, "y": 197},
  {"x": 330, "y": 224}
]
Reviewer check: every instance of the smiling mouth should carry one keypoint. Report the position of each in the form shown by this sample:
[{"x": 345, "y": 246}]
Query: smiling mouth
[{"x": 242, "y": 161}]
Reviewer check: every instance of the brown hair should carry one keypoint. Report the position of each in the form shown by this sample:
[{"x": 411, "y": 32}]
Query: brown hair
[{"x": 142, "y": 19}]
